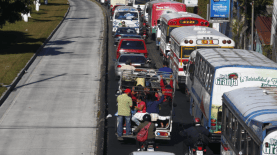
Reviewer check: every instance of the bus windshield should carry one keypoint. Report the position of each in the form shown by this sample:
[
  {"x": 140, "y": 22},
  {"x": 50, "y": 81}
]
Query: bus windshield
[
  {"x": 141, "y": 2},
  {"x": 126, "y": 15}
]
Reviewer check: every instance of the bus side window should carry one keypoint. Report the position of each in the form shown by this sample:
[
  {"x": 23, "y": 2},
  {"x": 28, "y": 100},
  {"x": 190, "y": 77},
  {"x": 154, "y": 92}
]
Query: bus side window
[
  {"x": 229, "y": 125},
  {"x": 210, "y": 84},
  {"x": 207, "y": 77}
]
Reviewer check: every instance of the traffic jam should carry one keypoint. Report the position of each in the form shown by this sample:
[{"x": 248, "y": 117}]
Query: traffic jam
[{"x": 232, "y": 92}]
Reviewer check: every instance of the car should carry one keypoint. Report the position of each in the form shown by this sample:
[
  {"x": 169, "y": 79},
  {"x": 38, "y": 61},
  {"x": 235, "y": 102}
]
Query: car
[
  {"x": 128, "y": 31},
  {"x": 131, "y": 45},
  {"x": 138, "y": 61}
]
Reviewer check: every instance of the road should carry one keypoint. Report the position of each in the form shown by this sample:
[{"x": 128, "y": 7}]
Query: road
[
  {"x": 53, "y": 109},
  {"x": 182, "y": 110}
]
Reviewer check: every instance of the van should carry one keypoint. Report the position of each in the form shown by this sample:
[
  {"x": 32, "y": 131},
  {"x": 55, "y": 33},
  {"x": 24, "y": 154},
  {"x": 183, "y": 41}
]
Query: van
[{"x": 128, "y": 14}]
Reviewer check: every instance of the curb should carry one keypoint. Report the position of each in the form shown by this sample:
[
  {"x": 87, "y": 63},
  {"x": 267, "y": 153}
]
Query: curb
[
  {"x": 101, "y": 120},
  {"x": 29, "y": 63}
]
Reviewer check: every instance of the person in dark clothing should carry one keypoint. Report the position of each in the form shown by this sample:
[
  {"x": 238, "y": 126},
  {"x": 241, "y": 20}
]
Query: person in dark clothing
[
  {"x": 152, "y": 104},
  {"x": 151, "y": 129},
  {"x": 191, "y": 135},
  {"x": 165, "y": 111}
]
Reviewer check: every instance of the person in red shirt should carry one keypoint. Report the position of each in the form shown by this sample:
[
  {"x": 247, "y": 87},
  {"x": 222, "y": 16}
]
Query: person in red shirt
[
  {"x": 167, "y": 88},
  {"x": 141, "y": 107}
]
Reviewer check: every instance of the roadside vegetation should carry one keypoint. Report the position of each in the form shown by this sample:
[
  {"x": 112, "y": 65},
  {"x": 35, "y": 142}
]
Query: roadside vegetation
[{"x": 20, "y": 40}]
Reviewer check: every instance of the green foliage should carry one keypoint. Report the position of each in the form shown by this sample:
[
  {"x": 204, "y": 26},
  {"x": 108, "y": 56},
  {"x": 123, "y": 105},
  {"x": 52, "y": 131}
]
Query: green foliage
[
  {"x": 267, "y": 51},
  {"x": 10, "y": 10},
  {"x": 202, "y": 8},
  {"x": 259, "y": 9}
]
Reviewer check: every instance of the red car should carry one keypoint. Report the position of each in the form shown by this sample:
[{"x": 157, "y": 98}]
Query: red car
[{"x": 131, "y": 45}]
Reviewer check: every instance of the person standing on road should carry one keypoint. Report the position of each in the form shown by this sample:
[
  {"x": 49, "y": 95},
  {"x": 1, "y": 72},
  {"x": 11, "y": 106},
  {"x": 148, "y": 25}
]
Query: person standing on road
[{"x": 124, "y": 111}]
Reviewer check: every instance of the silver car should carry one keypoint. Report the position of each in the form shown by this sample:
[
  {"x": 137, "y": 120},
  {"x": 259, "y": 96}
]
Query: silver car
[{"x": 138, "y": 61}]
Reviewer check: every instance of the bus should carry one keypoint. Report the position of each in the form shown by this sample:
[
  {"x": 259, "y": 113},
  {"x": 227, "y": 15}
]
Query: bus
[
  {"x": 184, "y": 40},
  {"x": 211, "y": 72},
  {"x": 249, "y": 125},
  {"x": 170, "y": 21},
  {"x": 155, "y": 9}
]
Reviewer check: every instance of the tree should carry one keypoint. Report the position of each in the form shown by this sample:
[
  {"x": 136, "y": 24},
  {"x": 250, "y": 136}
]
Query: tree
[{"x": 10, "y": 10}]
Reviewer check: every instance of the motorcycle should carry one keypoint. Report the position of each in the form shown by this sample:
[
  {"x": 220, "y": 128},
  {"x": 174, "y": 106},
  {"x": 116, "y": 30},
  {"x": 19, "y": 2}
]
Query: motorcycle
[
  {"x": 144, "y": 35},
  {"x": 147, "y": 146},
  {"x": 199, "y": 147}
]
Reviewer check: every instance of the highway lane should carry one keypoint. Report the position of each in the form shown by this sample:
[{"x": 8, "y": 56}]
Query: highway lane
[
  {"x": 182, "y": 115},
  {"x": 53, "y": 109}
]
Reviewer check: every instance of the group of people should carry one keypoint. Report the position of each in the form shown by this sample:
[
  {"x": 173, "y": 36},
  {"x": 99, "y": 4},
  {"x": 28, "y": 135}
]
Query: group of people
[{"x": 144, "y": 102}]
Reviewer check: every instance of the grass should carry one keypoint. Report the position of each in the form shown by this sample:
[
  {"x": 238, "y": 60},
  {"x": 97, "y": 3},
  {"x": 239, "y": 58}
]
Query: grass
[{"x": 19, "y": 41}]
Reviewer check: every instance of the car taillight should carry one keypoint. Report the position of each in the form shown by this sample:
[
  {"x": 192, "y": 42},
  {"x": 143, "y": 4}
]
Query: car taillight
[
  {"x": 119, "y": 36},
  {"x": 204, "y": 150},
  {"x": 229, "y": 41},
  {"x": 162, "y": 133},
  {"x": 181, "y": 69},
  {"x": 193, "y": 150},
  {"x": 118, "y": 66},
  {"x": 145, "y": 55},
  {"x": 199, "y": 148},
  {"x": 213, "y": 124},
  {"x": 224, "y": 41}
]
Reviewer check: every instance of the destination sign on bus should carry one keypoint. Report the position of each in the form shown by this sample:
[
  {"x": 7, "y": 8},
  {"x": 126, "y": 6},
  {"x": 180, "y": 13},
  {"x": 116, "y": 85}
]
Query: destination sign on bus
[
  {"x": 207, "y": 42},
  {"x": 188, "y": 22}
]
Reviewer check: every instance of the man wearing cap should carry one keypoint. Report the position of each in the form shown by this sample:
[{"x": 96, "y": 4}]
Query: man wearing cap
[{"x": 124, "y": 104}]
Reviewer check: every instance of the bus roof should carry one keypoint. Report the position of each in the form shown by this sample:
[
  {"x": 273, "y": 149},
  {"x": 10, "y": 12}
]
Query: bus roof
[
  {"x": 163, "y": 2},
  {"x": 255, "y": 106},
  {"x": 181, "y": 33},
  {"x": 221, "y": 57},
  {"x": 168, "y": 16},
  {"x": 125, "y": 8}
]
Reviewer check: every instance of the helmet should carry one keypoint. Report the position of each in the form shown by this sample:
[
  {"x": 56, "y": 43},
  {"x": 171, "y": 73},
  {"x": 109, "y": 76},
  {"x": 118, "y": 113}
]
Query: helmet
[
  {"x": 147, "y": 117},
  {"x": 197, "y": 121},
  {"x": 144, "y": 24},
  {"x": 128, "y": 62}
]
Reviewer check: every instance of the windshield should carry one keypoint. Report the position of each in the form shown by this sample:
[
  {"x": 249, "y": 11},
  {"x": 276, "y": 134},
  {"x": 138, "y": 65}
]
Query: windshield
[
  {"x": 138, "y": 45},
  {"x": 141, "y": 2},
  {"x": 134, "y": 59},
  {"x": 132, "y": 36},
  {"x": 126, "y": 15},
  {"x": 126, "y": 31}
]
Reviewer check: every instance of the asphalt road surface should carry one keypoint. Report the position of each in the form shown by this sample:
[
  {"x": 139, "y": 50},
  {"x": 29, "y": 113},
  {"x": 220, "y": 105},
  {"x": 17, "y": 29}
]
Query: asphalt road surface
[
  {"x": 182, "y": 115},
  {"x": 52, "y": 110}
]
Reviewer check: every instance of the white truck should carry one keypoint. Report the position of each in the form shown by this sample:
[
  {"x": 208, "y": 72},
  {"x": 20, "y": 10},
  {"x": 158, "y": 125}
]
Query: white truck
[
  {"x": 127, "y": 14},
  {"x": 117, "y": 2}
]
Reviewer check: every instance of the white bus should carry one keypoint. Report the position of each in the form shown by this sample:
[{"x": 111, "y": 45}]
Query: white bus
[
  {"x": 128, "y": 14},
  {"x": 186, "y": 39},
  {"x": 170, "y": 21},
  {"x": 249, "y": 125},
  {"x": 215, "y": 71}
]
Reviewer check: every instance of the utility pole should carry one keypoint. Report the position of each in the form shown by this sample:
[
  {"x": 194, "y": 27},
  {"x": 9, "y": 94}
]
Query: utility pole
[
  {"x": 273, "y": 24},
  {"x": 252, "y": 27}
]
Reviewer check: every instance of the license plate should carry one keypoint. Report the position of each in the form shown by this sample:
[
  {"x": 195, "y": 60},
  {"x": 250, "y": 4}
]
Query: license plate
[{"x": 199, "y": 152}]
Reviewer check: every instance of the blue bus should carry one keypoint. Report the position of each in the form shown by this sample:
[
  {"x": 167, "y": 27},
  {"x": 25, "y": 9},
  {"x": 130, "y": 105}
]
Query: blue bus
[{"x": 249, "y": 121}]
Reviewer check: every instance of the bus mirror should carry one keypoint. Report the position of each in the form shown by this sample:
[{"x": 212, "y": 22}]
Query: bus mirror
[{"x": 158, "y": 21}]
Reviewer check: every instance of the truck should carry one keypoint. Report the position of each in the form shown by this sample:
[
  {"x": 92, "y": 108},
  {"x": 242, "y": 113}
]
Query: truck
[
  {"x": 152, "y": 83},
  {"x": 117, "y": 2}
]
